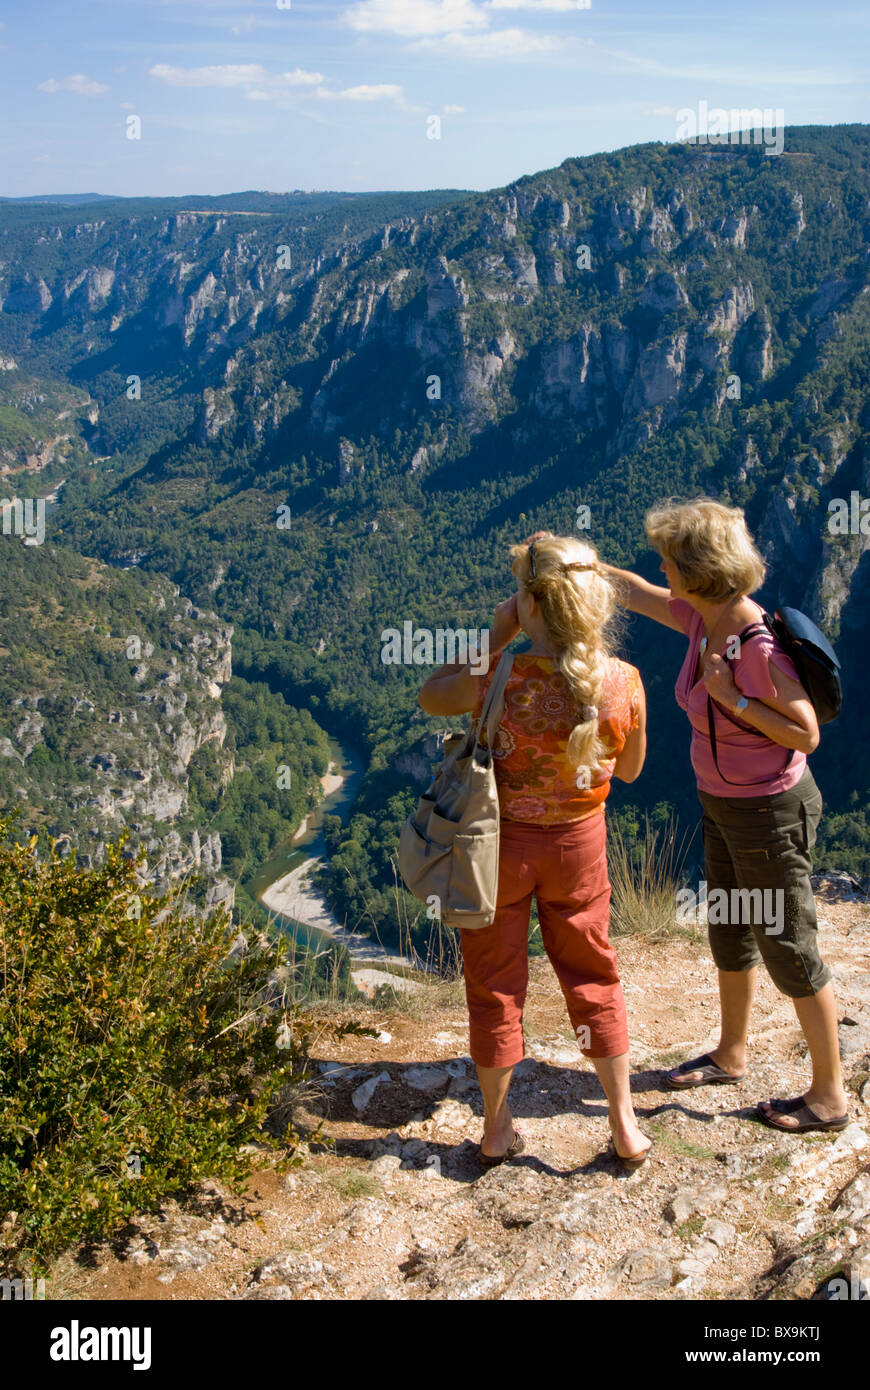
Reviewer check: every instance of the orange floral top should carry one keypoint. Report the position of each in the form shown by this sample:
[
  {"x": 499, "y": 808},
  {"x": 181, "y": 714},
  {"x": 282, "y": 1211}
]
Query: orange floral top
[{"x": 536, "y": 781}]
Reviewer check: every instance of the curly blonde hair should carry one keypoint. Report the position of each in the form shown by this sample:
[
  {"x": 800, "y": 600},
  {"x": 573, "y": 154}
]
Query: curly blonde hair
[{"x": 579, "y": 608}]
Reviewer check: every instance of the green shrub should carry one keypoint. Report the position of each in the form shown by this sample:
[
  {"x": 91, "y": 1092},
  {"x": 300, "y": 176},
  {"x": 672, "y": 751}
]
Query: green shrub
[{"x": 130, "y": 1039}]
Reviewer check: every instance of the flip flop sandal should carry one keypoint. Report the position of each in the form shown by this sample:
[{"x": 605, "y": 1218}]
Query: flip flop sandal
[
  {"x": 712, "y": 1074},
  {"x": 630, "y": 1161},
  {"x": 807, "y": 1119},
  {"x": 493, "y": 1160}
]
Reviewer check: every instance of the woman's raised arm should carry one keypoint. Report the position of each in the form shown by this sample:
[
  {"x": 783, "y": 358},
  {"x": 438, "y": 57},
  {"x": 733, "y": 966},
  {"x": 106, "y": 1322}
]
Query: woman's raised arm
[
  {"x": 452, "y": 689},
  {"x": 639, "y": 596}
]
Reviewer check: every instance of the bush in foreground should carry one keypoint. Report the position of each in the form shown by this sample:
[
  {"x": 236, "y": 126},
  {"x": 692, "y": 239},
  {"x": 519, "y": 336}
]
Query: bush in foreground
[{"x": 138, "y": 1052}]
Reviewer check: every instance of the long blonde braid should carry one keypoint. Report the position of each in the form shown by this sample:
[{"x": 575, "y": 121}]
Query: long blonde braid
[{"x": 578, "y": 605}]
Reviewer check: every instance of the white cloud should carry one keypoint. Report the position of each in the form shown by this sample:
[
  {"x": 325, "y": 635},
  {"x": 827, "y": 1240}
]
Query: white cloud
[
  {"x": 227, "y": 75},
  {"x": 278, "y": 88},
  {"x": 299, "y": 78},
  {"x": 384, "y": 92},
  {"x": 498, "y": 43},
  {"x": 251, "y": 75},
  {"x": 413, "y": 19},
  {"x": 453, "y": 110},
  {"x": 78, "y": 84},
  {"x": 560, "y": 6}
]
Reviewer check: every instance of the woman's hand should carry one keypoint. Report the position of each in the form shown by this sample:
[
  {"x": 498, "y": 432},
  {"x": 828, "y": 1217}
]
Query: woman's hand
[
  {"x": 787, "y": 718},
  {"x": 719, "y": 682},
  {"x": 505, "y": 624}
]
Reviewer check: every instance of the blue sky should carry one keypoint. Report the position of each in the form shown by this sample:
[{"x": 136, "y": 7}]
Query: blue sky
[{"x": 283, "y": 94}]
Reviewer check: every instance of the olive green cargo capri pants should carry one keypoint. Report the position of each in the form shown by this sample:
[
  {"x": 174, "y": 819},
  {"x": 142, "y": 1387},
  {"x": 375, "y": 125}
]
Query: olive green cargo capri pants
[{"x": 759, "y": 898}]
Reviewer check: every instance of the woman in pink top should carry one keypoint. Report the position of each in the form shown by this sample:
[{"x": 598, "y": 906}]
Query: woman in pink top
[{"x": 752, "y": 728}]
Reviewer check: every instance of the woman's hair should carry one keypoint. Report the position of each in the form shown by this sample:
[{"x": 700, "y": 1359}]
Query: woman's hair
[
  {"x": 709, "y": 545},
  {"x": 578, "y": 606}
]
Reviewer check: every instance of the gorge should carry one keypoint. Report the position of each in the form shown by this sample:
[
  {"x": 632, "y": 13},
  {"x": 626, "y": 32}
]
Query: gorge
[{"x": 288, "y": 469}]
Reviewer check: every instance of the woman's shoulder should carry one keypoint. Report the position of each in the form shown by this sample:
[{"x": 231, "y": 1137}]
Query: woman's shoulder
[
  {"x": 620, "y": 689},
  {"x": 620, "y": 670},
  {"x": 687, "y": 616},
  {"x": 760, "y": 648}
]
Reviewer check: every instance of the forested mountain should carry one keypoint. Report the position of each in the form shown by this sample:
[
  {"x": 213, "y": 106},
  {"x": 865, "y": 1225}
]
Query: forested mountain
[
  {"x": 326, "y": 415},
  {"x": 117, "y": 711}
]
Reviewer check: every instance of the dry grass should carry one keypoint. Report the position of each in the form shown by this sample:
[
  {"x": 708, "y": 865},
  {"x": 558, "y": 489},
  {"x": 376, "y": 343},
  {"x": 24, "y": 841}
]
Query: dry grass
[{"x": 645, "y": 876}]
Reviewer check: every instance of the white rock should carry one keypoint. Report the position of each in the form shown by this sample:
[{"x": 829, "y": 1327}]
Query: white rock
[
  {"x": 386, "y": 1167},
  {"x": 292, "y": 1266},
  {"x": 425, "y": 1078},
  {"x": 386, "y": 1144},
  {"x": 363, "y": 1094},
  {"x": 852, "y": 1137},
  {"x": 719, "y": 1233}
]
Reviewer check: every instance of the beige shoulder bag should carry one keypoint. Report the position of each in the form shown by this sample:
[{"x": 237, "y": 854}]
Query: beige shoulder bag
[{"x": 448, "y": 849}]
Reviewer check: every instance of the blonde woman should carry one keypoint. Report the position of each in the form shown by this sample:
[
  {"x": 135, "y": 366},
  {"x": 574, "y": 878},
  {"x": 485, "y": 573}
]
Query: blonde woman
[
  {"x": 574, "y": 717},
  {"x": 760, "y": 802}
]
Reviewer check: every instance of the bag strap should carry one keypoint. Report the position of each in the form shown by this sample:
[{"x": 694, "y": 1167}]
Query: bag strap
[
  {"x": 747, "y": 632},
  {"x": 493, "y": 703}
]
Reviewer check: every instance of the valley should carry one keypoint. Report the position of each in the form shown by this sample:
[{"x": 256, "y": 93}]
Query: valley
[{"x": 286, "y": 464}]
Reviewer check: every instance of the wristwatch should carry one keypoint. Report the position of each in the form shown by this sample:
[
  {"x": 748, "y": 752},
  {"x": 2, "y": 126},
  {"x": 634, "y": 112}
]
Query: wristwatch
[{"x": 741, "y": 705}]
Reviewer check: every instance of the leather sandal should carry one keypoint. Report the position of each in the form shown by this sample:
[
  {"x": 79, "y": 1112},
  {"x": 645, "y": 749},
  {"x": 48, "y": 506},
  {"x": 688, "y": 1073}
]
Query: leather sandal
[
  {"x": 493, "y": 1160},
  {"x": 807, "y": 1119},
  {"x": 631, "y": 1162},
  {"x": 712, "y": 1074}
]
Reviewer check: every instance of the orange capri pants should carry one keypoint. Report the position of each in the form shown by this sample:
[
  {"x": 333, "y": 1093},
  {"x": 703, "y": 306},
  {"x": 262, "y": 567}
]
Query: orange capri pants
[{"x": 565, "y": 866}]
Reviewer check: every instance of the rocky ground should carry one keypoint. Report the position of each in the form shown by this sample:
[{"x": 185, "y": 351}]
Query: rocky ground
[{"x": 395, "y": 1207}]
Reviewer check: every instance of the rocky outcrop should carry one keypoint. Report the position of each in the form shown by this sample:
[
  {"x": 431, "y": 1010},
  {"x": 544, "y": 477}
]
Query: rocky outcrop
[
  {"x": 445, "y": 290},
  {"x": 128, "y": 767},
  {"x": 418, "y": 760},
  {"x": 217, "y": 412}
]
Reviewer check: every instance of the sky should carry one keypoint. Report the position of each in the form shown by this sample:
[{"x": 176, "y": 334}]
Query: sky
[{"x": 226, "y": 95}]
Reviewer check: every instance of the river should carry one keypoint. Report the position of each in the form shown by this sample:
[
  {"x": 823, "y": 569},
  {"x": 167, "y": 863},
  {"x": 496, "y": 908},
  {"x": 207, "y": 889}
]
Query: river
[{"x": 281, "y": 886}]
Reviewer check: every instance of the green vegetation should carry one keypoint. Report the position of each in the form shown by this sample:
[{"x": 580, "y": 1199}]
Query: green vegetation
[
  {"x": 196, "y": 482},
  {"x": 279, "y": 754},
  {"x": 137, "y": 1054}
]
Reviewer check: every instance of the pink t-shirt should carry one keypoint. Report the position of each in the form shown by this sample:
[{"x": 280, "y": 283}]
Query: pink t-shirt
[{"x": 756, "y": 762}]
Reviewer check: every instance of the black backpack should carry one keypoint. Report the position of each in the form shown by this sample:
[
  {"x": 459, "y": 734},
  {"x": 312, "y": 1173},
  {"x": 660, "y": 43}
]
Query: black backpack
[{"x": 815, "y": 662}]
